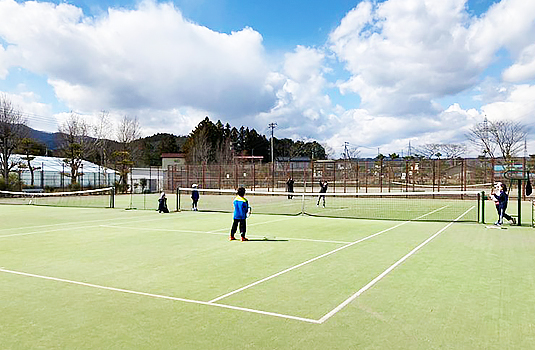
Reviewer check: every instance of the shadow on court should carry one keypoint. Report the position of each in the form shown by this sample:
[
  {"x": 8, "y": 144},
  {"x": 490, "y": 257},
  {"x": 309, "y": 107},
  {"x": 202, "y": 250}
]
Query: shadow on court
[{"x": 266, "y": 240}]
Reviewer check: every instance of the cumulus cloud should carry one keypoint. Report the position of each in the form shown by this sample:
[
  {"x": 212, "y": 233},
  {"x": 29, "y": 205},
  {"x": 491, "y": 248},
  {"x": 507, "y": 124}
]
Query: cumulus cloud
[
  {"x": 302, "y": 107},
  {"x": 402, "y": 54},
  {"x": 524, "y": 68},
  {"x": 150, "y": 57}
]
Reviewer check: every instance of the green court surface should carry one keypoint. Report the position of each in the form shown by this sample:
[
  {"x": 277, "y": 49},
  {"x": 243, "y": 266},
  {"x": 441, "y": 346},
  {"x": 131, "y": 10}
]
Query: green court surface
[{"x": 92, "y": 278}]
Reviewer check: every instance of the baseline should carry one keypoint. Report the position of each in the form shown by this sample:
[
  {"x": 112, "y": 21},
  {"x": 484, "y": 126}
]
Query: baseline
[{"x": 303, "y": 319}]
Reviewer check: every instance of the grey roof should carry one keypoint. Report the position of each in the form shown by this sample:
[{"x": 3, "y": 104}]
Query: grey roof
[{"x": 56, "y": 164}]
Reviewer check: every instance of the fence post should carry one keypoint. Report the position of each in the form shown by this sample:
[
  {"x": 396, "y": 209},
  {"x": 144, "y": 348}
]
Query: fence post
[
  {"x": 42, "y": 175},
  {"x": 312, "y": 174}
]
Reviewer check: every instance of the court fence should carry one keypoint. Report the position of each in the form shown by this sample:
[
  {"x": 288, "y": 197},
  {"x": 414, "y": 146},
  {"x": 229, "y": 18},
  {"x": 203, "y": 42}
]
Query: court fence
[{"x": 351, "y": 176}]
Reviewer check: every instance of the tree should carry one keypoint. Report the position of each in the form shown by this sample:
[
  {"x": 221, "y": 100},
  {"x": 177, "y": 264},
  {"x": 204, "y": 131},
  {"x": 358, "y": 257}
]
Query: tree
[
  {"x": 102, "y": 132},
  {"x": 75, "y": 144},
  {"x": 127, "y": 133},
  {"x": 437, "y": 150},
  {"x": 505, "y": 135},
  {"x": 201, "y": 144},
  {"x": 31, "y": 148},
  {"x": 452, "y": 150},
  {"x": 12, "y": 131}
]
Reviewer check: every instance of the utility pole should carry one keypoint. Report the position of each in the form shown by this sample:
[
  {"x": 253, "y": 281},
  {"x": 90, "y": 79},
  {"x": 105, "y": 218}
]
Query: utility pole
[{"x": 272, "y": 126}]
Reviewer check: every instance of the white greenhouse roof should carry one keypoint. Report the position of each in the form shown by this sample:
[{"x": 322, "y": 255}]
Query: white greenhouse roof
[{"x": 56, "y": 164}]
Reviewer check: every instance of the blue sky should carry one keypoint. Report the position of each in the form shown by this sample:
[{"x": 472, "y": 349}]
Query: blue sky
[{"x": 376, "y": 74}]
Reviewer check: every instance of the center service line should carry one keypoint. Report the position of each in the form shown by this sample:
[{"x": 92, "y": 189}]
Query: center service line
[
  {"x": 318, "y": 257},
  {"x": 387, "y": 271}
]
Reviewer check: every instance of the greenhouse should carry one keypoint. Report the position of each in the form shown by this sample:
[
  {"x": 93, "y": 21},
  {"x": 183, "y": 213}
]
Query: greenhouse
[{"x": 53, "y": 172}]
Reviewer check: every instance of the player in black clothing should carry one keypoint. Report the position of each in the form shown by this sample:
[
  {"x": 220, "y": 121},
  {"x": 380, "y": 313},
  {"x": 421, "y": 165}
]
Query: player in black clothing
[
  {"x": 290, "y": 187},
  {"x": 323, "y": 189},
  {"x": 194, "y": 197}
]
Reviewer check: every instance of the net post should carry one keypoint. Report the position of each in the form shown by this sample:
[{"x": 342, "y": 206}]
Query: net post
[
  {"x": 519, "y": 223},
  {"x": 112, "y": 198},
  {"x": 303, "y": 203},
  {"x": 483, "y": 207},
  {"x": 178, "y": 198},
  {"x": 478, "y": 207},
  {"x": 533, "y": 213}
]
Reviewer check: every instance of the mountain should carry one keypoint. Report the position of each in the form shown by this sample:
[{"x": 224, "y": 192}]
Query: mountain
[
  {"x": 50, "y": 140},
  {"x": 151, "y": 147}
]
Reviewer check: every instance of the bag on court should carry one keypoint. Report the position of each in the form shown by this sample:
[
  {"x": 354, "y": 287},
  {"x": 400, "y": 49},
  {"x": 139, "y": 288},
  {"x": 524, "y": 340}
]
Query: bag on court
[{"x": 529, "y": 190}]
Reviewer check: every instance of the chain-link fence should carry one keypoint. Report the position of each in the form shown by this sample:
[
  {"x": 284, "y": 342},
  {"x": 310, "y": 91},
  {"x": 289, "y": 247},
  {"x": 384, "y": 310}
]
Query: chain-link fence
[{"x": 398, "y": 175}]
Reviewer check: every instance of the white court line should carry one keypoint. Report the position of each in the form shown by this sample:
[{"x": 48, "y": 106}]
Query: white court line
[
  {"x": 152, "y": 229},
  {"x": 318, "y": 257},
  {"x": 63, "y": 223},
  {"x": 387, "y": 271},
  {"x": 256, "y": 223},
  {"x": 305, "y": 263},
  {"x": 219, "y": 233},
  {"x": 72, "y": 226},
  {"x": 303, "y": 319}
]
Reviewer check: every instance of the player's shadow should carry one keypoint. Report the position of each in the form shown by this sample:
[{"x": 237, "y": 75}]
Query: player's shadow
[{"x": 266, "y": 240}]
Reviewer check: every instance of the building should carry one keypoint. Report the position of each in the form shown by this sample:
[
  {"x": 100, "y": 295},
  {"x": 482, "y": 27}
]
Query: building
[
  {"x": 53, "y": 172},
  {"x": 171, "y": 159}
]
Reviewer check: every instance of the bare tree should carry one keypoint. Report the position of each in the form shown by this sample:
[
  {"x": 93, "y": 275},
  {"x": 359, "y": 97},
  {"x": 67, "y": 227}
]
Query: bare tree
[
  {"x": 103, "y": 133},
  {"x": 128, "y": 132},
  {"x": 224, "y": 154},
  {"x": 12, "y": 130},
  {"x": 446, "y": 150},
  {"x": 507, "y": 136},
  {"x": 201, "y": 149},
  {"x": 453, "y": 150},
  {"x": 75, "y": 144},
  {"x": 330, "y": 153}
]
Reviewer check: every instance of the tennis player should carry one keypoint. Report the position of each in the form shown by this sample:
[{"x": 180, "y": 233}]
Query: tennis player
[
  {"x": 241, "y": 212},
  {"x": 162, "y": 203},
  {"x": 323, "y": 189},
  {"x": 290, "y": 187},
  {"x": 194, "y": 197},
  {"x": 500, "y": 198}
]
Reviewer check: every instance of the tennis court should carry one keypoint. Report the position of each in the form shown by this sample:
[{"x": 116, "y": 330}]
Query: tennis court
[{"x": 115, "y": 278}]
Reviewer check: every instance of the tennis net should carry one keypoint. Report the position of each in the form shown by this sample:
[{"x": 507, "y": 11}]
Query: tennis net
[
  {"x": 98, "y": 198},
  {"x": 417, "y": 206}
]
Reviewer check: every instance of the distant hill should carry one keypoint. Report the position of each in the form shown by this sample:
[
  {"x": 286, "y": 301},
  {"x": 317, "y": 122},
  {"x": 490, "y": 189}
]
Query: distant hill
[
  {"x": 151, "y": 146},
  {"x": 50, "y": 140}
]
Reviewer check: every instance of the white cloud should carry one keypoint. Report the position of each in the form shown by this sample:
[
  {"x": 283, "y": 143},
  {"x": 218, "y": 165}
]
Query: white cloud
[
  {"x": 150, "y": 57},
  {"x": 402, "y": 57},
  {"x": 519, "y": 105},
  {"x": 403, "y": 54},
  {"x": 302, "y": 107},
  {"x": 524, "y": 68}
]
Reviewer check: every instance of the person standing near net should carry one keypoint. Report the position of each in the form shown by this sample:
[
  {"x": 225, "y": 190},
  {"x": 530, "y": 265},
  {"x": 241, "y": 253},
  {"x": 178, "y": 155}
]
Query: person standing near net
[
  {"x": 242, "y": 210},
  {"x": 500, "y": 198},
  {"x": 194, "y": 197},
  {"x": 323, "y": 189},
  {"x": 290, "y": 187},
  {"x": 162, "y": 203}
]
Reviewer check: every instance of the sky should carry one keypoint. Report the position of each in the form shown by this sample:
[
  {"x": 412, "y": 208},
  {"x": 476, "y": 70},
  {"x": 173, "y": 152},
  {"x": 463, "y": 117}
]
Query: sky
[{"x": 375, "y": 75}]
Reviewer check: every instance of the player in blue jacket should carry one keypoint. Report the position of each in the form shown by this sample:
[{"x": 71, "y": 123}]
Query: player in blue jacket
[
  {"x": 241, "y": 212},
  {"x": 500, "y": 198}
]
